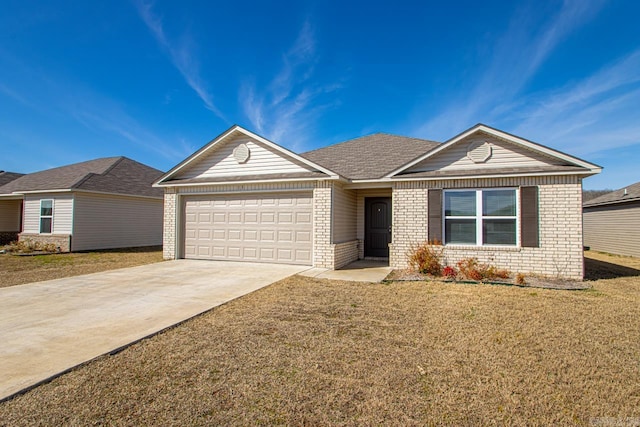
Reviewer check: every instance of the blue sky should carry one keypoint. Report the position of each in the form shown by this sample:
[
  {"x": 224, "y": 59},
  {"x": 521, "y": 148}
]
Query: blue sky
[{"x": 155, "y": 80}]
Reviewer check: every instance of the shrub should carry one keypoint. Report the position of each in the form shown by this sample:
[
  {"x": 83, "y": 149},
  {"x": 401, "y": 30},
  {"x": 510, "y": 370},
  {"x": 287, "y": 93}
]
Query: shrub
[
  {"x": 426, "y": 258},
  {"x": 449, "y": 272},
  {"x": 520, "y": 279},
  {"x": 472, "y": 269}
]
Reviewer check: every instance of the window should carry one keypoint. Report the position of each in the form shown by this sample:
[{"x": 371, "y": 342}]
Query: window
[
  {"x": 481, "y": 217},
  {"x": 46, "y": 216}
]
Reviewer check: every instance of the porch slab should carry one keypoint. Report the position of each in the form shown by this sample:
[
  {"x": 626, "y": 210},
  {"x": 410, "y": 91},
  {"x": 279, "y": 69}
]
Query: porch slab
[{"x": 358, "y": 271}]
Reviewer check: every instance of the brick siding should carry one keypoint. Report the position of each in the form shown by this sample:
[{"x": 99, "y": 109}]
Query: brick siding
[{"x": 560, "y": 226}]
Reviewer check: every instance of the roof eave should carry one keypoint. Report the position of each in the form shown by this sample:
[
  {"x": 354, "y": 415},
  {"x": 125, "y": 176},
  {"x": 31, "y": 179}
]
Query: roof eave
[
  {"x": 170, "y": 184},
  {"x": 611, "y": 202}
]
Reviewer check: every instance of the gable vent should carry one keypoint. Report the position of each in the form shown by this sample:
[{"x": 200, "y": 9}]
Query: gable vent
[
  {"x": 479, "y": 152},
  {"x": 241, "y": 153}
]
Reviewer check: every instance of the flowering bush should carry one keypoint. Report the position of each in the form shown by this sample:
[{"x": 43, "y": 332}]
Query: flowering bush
[{"x": 449, "y": 272}]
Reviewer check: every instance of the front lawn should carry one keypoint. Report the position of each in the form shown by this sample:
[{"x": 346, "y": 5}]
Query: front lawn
[
  {"x": 316, "y": 352},
  {"x": 16, "y": 270}
]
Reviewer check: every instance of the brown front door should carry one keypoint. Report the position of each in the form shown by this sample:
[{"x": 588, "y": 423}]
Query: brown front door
[{"x": 377, "y": 226}]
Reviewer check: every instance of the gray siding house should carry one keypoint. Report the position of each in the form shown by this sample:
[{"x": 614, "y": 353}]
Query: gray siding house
[
  {"x": 98, "y": 204},
  {"x": 612, "y": 222},
  {"x": 484, "y": 193}
]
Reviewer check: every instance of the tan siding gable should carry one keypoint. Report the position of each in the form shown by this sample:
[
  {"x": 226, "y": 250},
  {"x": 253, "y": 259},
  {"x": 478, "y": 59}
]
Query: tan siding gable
[
  {"x": 220, "y": 162},
  {"x": 62, "y": 212},
  {"x": 503, "y": 154}
]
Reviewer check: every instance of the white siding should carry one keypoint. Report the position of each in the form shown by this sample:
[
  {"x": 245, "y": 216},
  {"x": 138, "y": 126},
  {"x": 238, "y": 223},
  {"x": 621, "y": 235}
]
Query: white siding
[
  {"x": 613, "y": 229},
  {"x": 344, "y": 215},
  {"x": 10, "y": 215},
  {"x": 221, "y": 163},
  {"x": 504, "y": 154},
  {"x": 62, "y": 212},
  {"x": 105, "y": 221}
]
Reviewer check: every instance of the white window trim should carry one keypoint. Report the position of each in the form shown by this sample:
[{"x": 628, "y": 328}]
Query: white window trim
[
  {"x": 40, "y": 216},
  {"x": 479, "y": 217}
]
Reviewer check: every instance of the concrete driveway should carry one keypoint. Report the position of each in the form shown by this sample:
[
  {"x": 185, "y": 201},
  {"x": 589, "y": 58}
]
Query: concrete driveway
[{"x": 49, "y": 327}]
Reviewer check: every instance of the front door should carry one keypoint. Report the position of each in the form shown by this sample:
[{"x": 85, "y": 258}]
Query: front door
[{"x": 377, "y": 226}]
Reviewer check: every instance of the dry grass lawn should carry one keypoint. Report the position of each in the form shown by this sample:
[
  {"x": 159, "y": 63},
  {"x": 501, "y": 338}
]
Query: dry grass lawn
[
  {"x": 16, "y": 270},
  {"x": 316, "y": 352}
]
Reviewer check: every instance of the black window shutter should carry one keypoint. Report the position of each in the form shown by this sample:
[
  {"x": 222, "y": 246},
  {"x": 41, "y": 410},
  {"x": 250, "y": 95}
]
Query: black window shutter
[
  {"x": 529, "y": 234},
  {"x": 435, "y": 215}
]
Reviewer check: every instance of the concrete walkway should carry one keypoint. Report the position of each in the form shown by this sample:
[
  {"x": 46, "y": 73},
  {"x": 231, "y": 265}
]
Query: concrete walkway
[
  {"x": 358, "y": 271},
  {"x": 49, "y": 327}
]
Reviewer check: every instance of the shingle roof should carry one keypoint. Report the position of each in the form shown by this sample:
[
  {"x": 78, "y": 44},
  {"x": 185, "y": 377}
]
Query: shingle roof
[
  {"x": 618, "y": 196},
  {"x": 6, "y": 177},
  {"x": 119, "y": 175},
  {"x": 370, "y": 157}
]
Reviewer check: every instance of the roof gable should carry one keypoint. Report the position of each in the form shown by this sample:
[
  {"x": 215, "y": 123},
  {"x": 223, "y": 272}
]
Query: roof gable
[
  {"x": 372, "y": 156},
  {"x": 486, "y": 149},
  {"x": 238, "y": 154}
]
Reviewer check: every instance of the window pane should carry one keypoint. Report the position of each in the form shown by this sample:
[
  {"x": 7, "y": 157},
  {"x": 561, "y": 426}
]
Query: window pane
[
  {"x": 460, "y": 231},
  {"x": 46, "y": 207},
  {"x": 499, "y": 231},
  {"x": 460, "y": 203},
  {"x": 45, "y": 225},
  {"x": 499, "y": 203}
]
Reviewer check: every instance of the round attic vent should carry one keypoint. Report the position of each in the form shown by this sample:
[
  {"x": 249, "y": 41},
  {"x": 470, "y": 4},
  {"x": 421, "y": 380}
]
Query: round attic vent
[
  {"x": 241, "y": 153},
  {"x": 479, "y": 152}
]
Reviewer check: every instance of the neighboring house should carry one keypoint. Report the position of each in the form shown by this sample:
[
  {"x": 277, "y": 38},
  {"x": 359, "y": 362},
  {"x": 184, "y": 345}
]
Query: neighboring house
[
  {"x": 10, "y": 212},
  {"x": 612, "y": 222},
  {"x": 98, "y": 204},
  {"x": 485, "y": 193}
]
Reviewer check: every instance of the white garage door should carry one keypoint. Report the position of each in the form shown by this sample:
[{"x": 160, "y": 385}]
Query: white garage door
[{"x": 262, "y": 228}]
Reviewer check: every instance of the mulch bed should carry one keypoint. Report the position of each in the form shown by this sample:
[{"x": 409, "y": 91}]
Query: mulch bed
[{"x": 530, "y": 281}]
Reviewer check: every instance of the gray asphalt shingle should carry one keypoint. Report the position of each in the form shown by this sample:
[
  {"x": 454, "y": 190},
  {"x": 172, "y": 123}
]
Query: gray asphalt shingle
[
  {"x": 119, "y": 175},
  {"x": 370, "y": 157},
  {"x": 622, "y": 195}
]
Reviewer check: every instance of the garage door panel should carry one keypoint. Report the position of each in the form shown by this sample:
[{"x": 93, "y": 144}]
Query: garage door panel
[
  {"x": 303, "y": 237},
  {"x": 266, "y": 228}
]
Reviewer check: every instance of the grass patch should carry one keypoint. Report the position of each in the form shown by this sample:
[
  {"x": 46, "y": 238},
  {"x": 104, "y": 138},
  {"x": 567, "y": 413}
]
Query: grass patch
[
  {"x": 17, "y": 270},
  {"x": 306, "y": 351}
]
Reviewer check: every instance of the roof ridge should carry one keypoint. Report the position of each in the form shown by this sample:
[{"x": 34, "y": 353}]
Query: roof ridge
[{"x": 367, "y": 136}]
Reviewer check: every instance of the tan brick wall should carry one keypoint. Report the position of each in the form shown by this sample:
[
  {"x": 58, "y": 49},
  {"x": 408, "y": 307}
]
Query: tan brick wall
[
  {"x": 169, "y": 224},
  {"x": 560, "y": 251},
  {"x": 344, "y": 253},
  {"x": 323, "y": 250},
  {"x": 409, "y": 222}
]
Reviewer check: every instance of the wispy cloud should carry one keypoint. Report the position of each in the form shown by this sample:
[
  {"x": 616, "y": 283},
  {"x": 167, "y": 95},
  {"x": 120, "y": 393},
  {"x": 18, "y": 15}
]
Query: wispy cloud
[
  {"x": 293, "y": 99},
  {"x": 58, "y": 100},
  {"x": 595, "y": 114},
  {"x": 515, "y": 58},
  {"x": 181, "y": 56}
]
